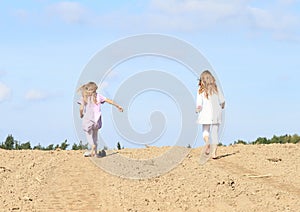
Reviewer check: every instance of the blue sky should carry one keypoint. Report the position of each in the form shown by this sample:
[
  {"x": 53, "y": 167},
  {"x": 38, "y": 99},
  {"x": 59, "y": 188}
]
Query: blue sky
[{"x": 253, "y": 46}]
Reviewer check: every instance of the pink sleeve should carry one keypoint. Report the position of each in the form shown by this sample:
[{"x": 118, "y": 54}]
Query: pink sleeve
[{"x": 101, "y": 98}]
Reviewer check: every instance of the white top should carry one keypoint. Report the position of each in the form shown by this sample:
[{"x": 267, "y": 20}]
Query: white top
[{"x": 211, "y": 112}]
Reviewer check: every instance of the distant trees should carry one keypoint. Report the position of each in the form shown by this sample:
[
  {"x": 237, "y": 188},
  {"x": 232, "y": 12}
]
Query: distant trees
[
  {"x": 79, "y": 146},
  {"x": 11, "y": 144},
  {"x": 274, "y": 140},
  {"x": 64, "y": 145},
  {"x": 50, "y": 147},
  {"x": 38, "y": 147},
  {"x": 262, "y": 140},
  {"x": 240, "y": 142},
  {"x": 25, "y": 145}
]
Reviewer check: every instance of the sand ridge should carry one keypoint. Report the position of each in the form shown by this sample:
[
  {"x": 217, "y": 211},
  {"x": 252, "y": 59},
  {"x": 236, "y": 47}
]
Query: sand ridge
[{"x": 245, "y": 178}]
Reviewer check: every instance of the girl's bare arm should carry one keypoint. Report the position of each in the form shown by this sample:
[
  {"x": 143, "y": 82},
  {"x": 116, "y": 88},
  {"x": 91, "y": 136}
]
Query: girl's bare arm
[
  {"x": 81, "y": 111},
  {"x": 114, "y": 104}
]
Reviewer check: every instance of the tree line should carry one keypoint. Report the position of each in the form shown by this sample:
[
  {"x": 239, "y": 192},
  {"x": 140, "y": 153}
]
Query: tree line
[
  {"x": 11, "y": 144},
  {"x": 283, "y": 139}
]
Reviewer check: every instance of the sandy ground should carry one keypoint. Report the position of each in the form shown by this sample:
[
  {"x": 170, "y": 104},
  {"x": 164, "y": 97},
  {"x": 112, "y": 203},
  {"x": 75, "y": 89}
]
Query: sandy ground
[{"x": 245, "y": 178}]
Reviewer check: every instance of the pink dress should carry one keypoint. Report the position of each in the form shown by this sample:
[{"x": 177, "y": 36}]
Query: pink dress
[{"x": 92, "y": 113}]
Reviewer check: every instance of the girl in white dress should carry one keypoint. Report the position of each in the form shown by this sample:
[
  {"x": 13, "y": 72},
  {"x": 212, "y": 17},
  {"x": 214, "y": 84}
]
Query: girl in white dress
[{"x": 210, "y": 102}]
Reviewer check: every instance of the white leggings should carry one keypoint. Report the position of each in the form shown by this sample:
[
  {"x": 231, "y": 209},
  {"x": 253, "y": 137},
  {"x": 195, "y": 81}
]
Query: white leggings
[
  {"x": 92, "y": 137},
  {"x": 214, "y": 129}
]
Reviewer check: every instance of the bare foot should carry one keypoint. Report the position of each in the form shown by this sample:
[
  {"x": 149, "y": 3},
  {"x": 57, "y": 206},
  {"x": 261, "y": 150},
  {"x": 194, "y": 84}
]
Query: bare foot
[
  {"x": 207, "y": 150},
  {"x": 214, "y": 152},
  {"x": 93, "y": 151},
  {"x": 207, "y": 145}
]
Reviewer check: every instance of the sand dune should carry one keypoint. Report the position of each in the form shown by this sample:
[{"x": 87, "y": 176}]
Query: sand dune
[{"x": 245, "y": 178}]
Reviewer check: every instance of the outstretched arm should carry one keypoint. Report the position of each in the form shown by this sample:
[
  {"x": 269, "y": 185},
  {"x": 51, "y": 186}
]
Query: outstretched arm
[{"x": 114, "y": 104}]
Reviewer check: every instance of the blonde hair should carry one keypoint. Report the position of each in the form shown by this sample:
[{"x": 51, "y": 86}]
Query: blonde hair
[
  {"x": 207, "y": 84},
  {"x": 89, "y": 90}
]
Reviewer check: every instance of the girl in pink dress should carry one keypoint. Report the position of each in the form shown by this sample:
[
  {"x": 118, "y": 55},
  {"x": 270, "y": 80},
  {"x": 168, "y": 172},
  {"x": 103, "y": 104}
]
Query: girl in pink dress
[
  {"x": 210, "y": 102},
  {"x": 90, "y": 112}
]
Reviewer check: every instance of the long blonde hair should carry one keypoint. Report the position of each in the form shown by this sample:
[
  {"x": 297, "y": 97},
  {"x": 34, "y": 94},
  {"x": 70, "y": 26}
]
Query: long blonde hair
[
  {"x": 89, "y": 90},
  {"x": 207, "y": 84}
]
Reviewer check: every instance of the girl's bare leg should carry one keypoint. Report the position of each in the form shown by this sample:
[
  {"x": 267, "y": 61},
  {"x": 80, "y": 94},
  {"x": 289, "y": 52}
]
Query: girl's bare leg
[
  {"x": 95, "y": 141},
  {"x": 215, "y": 139},
  {"x": 206, "y": 132},
  {"x": 89, "y": 137},
  {"x": 207, "y": 145},
  {"x": 214, "y": 151},
  {"x": 93, "y": 151}
]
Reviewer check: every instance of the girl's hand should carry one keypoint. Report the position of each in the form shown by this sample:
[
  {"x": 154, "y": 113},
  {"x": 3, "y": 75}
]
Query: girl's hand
[
  {"x": 81, "y": 115},
  {"x": 114, "y": 104},
  {"x": 223, "y": 105},
  {"x": 120, "y": 108},
  {"x": 198, "y": 109}
]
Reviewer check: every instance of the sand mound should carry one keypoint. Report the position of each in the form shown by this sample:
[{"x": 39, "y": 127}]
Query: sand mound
[{"x": 244, "y": 178}]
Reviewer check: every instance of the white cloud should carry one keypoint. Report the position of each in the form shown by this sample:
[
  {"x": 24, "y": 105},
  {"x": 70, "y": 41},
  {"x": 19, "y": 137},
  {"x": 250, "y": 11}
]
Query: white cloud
[
  {"x": 35, "y": 95},
  {"x": 69, "y": 12},
  {"x": 276, "y": 18},
  {"x": 217, "y": 9},
  {"x": 202, "y": 14},
  {"x": 286, "y": 2},
  {"x": 21, "y": 14},
  {"x": 167, "y": 14},
  {"x": 270, "y": 20},
  {"x": 5, "y": 92},
  {"x": 196, "y": 14}
]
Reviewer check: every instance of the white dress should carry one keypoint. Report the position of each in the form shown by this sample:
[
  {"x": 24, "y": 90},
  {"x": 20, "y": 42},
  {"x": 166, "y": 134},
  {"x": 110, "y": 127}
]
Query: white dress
[{"x": 211, "y": 112}]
